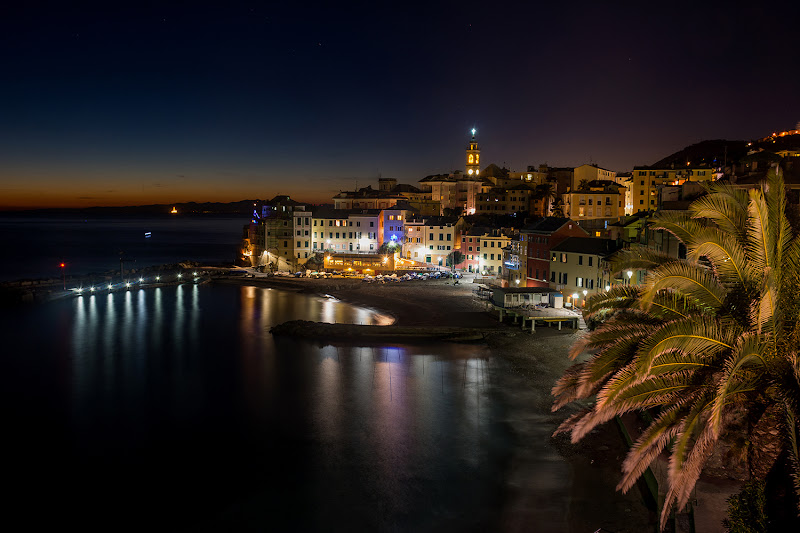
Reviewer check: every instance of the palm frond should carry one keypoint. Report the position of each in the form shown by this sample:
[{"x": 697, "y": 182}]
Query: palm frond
[
  {"x": 678, "y": 223},
  {"x": 697, "y": 284},
  {"x": 726, "y": 209},
  {"x": 726, "y": 254},
  {"x": 652, "y": 442},
  {"x": 760, "y": 248}
]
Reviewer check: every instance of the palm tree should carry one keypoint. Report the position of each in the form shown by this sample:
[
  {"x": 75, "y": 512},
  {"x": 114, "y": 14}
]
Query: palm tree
[
  {"x": 704, "y": 340},
  {"x": 547, "y": 193}
]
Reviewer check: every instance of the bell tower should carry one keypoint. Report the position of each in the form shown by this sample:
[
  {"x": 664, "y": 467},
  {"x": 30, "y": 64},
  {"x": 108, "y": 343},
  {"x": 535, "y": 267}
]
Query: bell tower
[{"x": 473, "y": 157}]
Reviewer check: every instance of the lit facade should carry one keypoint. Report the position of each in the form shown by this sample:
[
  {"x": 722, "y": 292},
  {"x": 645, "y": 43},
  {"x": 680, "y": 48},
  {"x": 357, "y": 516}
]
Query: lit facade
[{"x": 431, "y": 240}]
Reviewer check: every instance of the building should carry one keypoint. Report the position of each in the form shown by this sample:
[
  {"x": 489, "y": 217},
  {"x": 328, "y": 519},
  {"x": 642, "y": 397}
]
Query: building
[
  {"x": 391, "y": 226},
  {"x": 645, "y": 183},
  {"x": 587, "y": 173},
  {"x": 346, "y": 230},
  {"x": 579, "y": 267},
  {"x": 508, "y": 200},
  {"x": 490, "y": 262},
  {"x": 515, "y": 263},
  {"x": 285, "y": 225},
  {"x": 360, "y": 263},
  {"x": 456, "y": 192},
  {"x": 595, "y": 204},
  {"x": 539, "y": 237},
  {"x": 432, "y": 240}
]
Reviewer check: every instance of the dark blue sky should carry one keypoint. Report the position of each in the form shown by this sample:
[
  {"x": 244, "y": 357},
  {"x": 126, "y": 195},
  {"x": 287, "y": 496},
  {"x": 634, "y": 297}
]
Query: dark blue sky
[{"x": 109, "y": 105}]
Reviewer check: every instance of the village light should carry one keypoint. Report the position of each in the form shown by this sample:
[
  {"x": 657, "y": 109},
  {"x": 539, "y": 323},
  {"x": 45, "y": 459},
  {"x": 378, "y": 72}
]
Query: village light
[
  {"x": 141, "y": 280},
  {"x": 158, "y": 278},
  {"x": 584, "y": 293}
]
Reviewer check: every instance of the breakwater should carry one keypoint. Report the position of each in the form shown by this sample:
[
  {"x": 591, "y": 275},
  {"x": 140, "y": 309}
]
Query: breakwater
[{"x": 373, "y": 333}]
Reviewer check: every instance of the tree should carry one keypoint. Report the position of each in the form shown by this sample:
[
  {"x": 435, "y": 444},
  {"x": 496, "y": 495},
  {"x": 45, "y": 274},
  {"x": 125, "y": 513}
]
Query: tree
[
  {"x": 547, "y": 193},
  {"x": 389, "y": 247},
  {"x": 703, "y": 341},
  {"x": 316, "y": 261},
  {"x": 454, "y": 258}
]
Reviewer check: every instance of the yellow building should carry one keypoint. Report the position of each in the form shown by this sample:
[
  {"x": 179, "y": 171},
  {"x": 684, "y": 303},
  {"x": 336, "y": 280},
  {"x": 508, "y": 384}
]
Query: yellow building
[
  {"x": 491, "y": 254},
  {"x": 645, "y": 182},
  {"x": 587, "y": 173},
  {"x": 602, "y": 200},
  {"x": 431, "y": 240}
]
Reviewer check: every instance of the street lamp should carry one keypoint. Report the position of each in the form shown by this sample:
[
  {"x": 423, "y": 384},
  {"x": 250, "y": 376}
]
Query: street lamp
[
  {"x": 630, "y": 275},
  {"x": 64, "y": 275}
]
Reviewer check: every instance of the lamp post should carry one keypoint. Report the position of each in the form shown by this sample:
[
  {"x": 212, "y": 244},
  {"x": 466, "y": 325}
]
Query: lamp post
[
  {"x": 585, "y": 292},
  {"x": 630, "y": 275},
  {"x": 64, "y": 274}
]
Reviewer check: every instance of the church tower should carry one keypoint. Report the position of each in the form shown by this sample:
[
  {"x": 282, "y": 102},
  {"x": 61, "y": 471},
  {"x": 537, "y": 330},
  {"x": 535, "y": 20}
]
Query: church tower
[{"x": 473, "y": 156}]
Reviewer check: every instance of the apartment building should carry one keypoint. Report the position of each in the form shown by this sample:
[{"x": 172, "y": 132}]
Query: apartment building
[
  {"x": 579, "y": 267},
  {"x": 345, "y": 230},
  {"x": 538, "y": 238},
  {"x": 431, "y": 240}
]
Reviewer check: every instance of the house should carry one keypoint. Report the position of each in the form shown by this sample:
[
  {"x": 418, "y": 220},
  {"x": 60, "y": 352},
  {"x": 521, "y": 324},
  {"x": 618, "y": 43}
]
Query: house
[
  {"x": 579, "y": 267},
  {"x": 539, "y": 237}
]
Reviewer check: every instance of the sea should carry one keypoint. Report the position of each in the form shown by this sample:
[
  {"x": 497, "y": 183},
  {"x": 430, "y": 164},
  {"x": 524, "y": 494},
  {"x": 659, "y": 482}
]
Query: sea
[
  {"x": 175, "y": 409},
  {"x": 35, "y": 246}
]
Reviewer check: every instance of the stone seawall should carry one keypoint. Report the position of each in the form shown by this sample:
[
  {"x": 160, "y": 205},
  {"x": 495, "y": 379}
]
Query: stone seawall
[{"x": 374, "y": 333}]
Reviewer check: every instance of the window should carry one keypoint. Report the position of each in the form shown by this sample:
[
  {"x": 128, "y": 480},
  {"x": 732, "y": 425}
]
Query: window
[
  {"x": 391, "y": 217},
  {"x": 372, "y": 224},
  {"x": 358, "y": 223},
  {"x": 580, "y": 261},
  {"x": 441, "y": 236},
  {"x": 590, "y": 260},
  {"x": 492, "y": 257},
  {"x": 430, "y": 236},
  {"x": 298, "y": 244},
  {"x": 579, "y": 282},
  {"x": 641, "y": 202},
  {"x": 552, "y": 277},
  {"x": 470, "y": 249},
  {"x": 285, "y": 244},
  {"x": 485, "y": 256},
  {"x": 563, "y": 258},
  {"x": 554, "y": 256},
  {"x": 449, "y": 237}
]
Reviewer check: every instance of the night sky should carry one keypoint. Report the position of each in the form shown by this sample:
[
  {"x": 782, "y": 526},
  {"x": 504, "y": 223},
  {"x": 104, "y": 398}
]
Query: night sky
[{"x": 140, "y": 103}]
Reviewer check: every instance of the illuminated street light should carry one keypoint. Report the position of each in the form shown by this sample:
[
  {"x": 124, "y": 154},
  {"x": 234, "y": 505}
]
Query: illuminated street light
[
  {"x": 158, "y": 278},
  {"x": 141, "y": 280},
  {"x": 180, "y": 276},
  {"x": 128, "y": 284},
  {"x": 630, "y": 275},
  {"x": 91, "y": 289},
  {"x": 109, "y": 286}
]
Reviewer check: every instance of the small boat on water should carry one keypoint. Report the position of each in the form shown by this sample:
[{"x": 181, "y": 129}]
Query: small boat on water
[
  {"x": 174, "y": 210},
  {"x": 147, "y": 234}
]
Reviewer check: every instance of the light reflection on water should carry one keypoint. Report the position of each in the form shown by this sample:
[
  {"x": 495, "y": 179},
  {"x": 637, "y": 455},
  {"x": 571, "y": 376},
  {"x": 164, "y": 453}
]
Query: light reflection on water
[{"x": 185, "y": 408}]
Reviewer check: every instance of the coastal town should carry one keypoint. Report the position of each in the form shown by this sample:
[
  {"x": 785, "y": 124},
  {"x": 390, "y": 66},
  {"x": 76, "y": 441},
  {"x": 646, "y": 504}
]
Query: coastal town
[{"x": 544, "y": 235}]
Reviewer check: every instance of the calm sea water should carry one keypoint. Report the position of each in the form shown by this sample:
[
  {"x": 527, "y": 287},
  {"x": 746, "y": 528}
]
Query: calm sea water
[
  {"x": 175, "y": 409},
  {"x": 34, "y": 247}
]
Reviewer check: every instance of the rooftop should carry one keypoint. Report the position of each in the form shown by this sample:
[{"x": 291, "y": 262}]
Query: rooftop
[{"x": 586, "y": 245}]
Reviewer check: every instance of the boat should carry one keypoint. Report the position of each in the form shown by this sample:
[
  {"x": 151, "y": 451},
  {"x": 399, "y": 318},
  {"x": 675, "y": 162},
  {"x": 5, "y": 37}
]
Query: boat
[{"x": 174, "y": 210}]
